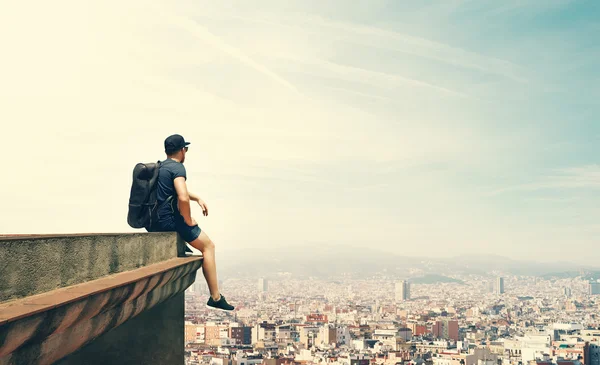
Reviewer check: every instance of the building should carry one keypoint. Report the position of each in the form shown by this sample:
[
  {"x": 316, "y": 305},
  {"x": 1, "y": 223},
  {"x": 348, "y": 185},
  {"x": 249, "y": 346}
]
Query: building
[
  {"x": 241, "y": 358},
  {"x": 594, "y": 288},
  {"x": 241, "y": 334},
  {"x": 567, "y": 292},
  {"x": 342, "y": 335},
  {"x": 191, "y": 330},
  {"x": 277, "y": 361},
  {"x": 327, "y": 336},
  {"x": 402, "y": 290},
  {"x": 265, "y": 332},
  {"x": 499, "y": 287},
  {"x": 263, "y": 285},
  {"x": 569, "y": 350},
  {"x": 445, "y": 329},
  {"x": 384, "y": 334},
  {"x": 214, "y": 333},
  {"x": 417, "y": 329},
  {"x": 405, "y": 334},
  {"x": 534, "y": 346},
  {"x": 316, "y": 318},
  {"x": 283, "y": 334},
  {"x": 263, "y": 288},
  {"x": 593, "y": 355},
  {"x": 433, "y": 347},
  {"x": 308, "y": 336},
  {"x": 448, "y": 359},
  {"x": 481, "y": 356}
]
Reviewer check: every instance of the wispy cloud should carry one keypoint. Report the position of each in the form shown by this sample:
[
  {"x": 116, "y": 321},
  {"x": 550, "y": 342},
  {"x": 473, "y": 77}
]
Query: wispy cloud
[
  {"x": 441, "y": 52},
  {"x": 376, "y": 37},
  {"x": 358, "y": 93},
  {"x": 520, "y": 5},
  {"x": 361, "y": 75},
  {"x": 570, "y": 178},
  {"x": 203, "y": 34}
]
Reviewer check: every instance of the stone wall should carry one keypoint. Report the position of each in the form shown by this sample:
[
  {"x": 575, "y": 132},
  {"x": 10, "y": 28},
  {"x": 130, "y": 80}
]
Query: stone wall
[
  {"x": 93, "y": 299},
  {"x": 37, "y": 264}
]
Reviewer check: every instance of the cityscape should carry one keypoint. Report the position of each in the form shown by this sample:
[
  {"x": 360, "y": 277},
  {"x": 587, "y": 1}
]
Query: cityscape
[{"x": 474, "y": 320}]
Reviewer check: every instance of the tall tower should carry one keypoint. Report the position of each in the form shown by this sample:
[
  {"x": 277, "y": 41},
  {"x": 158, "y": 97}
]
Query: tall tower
[
  {"x": 594, "y": 288},
  {"x": 263, "y": 287},
  {"x": 499, "y": 288},
  {"x": 402, "y": 290}
]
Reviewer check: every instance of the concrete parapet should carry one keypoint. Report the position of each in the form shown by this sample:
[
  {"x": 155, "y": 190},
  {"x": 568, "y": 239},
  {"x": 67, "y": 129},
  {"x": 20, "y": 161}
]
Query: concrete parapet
[
  {"x": 142, "y": 272},
  {"x": 37, "y": 264}
]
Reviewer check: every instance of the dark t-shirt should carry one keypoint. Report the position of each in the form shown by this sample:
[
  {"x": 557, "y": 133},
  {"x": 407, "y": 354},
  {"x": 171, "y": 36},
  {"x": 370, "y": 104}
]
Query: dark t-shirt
[{"x": 169, "y": 170}]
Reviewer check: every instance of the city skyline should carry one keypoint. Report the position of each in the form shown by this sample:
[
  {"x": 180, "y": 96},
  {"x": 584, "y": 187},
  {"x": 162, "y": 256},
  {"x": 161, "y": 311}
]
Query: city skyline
[
  {"x": 462, "y": 127},
  {"x": 304, "y": 321}
]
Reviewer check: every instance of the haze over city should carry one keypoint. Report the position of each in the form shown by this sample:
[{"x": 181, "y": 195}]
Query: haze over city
[{"x": 434, "y": 128}]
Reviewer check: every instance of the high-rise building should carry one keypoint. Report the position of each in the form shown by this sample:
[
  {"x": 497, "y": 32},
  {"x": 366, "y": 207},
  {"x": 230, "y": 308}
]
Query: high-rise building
[
  {"x": 402, "y": 290},
  {"x": 594, "y": 354},
  {"x": 594, "y": 288},
  {"x": 499, "y": 287},
  {"x": 263, "y": 285},
  {"x": 567, "y": 292},
  {"x": 445, "y": 329}
]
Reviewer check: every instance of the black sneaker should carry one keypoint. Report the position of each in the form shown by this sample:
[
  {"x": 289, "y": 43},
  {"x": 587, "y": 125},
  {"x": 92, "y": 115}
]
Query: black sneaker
[{"x": 220, "y": 304}]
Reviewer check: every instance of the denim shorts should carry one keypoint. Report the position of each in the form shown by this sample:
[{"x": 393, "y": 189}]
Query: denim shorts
[{"x": 177, "y": 224}]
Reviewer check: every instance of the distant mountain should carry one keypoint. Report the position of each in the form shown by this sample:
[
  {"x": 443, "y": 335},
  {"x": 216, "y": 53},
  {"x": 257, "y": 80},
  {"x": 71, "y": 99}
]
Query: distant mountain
[
  {"x": 331, "y": 261},
  {"x": 434, "y": 279},
  {"x": 314, "y": 261},
  {"x": 584, "y": 274},
  {"x": 488, "y": 263}
]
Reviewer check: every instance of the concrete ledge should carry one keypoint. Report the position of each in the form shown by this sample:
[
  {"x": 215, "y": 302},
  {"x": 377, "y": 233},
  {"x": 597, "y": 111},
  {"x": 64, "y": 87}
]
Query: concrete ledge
[
  {"x": 44, "y": 328},
  {"x": 33, "y": 264}
]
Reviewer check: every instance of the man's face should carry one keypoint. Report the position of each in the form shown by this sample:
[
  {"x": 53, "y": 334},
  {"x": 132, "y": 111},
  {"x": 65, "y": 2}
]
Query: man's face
[{"x": 183, "y": 152}]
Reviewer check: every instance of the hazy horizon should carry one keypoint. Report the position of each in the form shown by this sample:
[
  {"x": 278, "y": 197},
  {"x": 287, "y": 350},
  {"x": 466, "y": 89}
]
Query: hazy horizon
[{"x": 433, "y": 128}]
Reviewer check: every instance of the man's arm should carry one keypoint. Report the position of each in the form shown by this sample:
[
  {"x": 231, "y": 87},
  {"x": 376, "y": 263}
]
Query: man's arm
[
  {"x": 183, "y": 197},
  {"x": 200, "y": 202},
  {"x": 194, "y": 197}
]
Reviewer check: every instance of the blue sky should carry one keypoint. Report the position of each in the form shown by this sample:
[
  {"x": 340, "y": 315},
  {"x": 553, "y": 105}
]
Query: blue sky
[{"x": 417, "y": 127}]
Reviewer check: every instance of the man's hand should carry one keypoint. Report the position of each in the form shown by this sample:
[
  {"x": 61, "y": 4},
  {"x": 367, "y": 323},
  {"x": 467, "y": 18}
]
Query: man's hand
[
  {"x": 200, "y": 202},
  {"x": 202, "y": 205}
]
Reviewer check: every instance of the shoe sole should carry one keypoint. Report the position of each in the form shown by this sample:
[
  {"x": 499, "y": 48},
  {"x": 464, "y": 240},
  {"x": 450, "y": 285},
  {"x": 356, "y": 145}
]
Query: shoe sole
[{"x": 218, "y": 309}]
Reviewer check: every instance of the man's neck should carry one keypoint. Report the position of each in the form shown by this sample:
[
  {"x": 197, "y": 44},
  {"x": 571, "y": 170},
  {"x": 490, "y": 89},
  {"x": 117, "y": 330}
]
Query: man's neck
[{"x": 175, "y": 159}]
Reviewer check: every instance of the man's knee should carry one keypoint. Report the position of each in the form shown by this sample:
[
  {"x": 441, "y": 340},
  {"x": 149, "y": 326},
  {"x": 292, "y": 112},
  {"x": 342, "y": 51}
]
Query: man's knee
[
  {"x": 209, "y": 244},
  {"x": 203, "y": 243}
]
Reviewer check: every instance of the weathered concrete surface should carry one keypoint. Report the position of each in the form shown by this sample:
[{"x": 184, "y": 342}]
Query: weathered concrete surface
[
  {"x": 61, "y": 322},
  {"x": 37, "y": 264},
  {"x": 154, "y": 337}
]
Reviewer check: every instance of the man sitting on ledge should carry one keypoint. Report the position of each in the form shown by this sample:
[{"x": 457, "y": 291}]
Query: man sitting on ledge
[{"x": 174, "y": 214}]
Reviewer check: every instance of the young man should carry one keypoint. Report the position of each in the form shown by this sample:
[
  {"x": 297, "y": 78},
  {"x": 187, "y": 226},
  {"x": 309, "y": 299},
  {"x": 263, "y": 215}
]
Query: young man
[{"x": 174, "y": 214}]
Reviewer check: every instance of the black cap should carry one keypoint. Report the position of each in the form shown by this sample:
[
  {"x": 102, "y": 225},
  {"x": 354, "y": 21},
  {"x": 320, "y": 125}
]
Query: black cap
[{"x": 174, "y": 143}]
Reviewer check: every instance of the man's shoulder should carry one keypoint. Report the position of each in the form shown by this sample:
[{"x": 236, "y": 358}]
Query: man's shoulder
[
  {"x": 173, "y": 166},
  {"x": 168, "y": 163}
]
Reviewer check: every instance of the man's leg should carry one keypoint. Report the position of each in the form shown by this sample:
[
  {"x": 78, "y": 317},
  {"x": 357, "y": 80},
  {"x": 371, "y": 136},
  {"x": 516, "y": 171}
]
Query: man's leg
[{"x": 209, "y": 267}]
